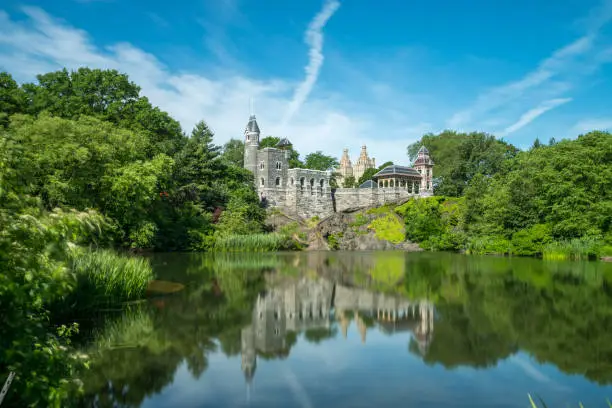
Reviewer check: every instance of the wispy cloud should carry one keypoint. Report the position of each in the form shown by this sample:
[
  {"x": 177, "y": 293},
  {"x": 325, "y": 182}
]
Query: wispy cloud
[
  {"x": 314, "y": 39},
  {"x": 532, "y": 114},
  {"x": 550, "y": 81}
]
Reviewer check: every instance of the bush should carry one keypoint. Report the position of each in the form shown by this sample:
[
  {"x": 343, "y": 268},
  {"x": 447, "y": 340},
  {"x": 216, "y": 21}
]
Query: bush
[
  {"x": 388, "y": 228},
  {"x": 531, "y": 241}
]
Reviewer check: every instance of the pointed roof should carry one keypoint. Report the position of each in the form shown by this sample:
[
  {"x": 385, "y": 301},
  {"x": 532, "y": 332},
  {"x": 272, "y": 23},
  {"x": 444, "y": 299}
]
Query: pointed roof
[
  {"x": 284, "y": 142},
  {"x": 423, "y": 149},
  {"x": 252, "y": 125}
]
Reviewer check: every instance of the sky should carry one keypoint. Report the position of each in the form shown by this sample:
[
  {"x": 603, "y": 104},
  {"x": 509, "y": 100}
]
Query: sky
[{"x": 334, "y": 74}]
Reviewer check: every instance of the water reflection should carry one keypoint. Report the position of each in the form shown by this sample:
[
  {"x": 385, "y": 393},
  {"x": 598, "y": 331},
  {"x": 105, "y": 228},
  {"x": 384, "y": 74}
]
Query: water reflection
[
  {"x": 309, "y": 305},
  {"x": 503, "y": 327}
]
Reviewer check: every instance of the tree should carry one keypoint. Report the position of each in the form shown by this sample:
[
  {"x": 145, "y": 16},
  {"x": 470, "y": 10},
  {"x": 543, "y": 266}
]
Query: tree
[
  {"x": 459, "y": 157},
  {"x": 107, "y": 95},
  {"x": 536, "y": 144},
  {"x": 349, "y": 182},
  {"x": 12, "y": 98},
  {"x": 320, "y": 161},
  {"x": 233, "y": 152}
]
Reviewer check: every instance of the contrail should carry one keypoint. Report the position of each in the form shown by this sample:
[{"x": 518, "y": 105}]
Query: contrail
[{"x": 314, "y": 40}]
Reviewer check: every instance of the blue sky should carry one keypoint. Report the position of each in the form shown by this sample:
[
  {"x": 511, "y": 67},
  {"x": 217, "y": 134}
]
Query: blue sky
[
  {"x": 334, "y": 74},
  {"x": 341, "y": 372}
]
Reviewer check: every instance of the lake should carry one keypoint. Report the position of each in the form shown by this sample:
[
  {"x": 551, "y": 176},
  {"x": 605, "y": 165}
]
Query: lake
[{"x": 358, "y": 329}]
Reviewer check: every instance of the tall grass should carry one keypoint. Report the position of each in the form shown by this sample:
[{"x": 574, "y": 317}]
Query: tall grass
[
  {"x": 576, "y": 249},
  {"x": 105, "y": 278},
  {"x": 255, "y": 243}
]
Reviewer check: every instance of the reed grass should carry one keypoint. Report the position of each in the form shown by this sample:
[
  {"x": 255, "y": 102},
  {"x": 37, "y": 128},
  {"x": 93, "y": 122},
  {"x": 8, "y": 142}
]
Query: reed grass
[
  {"x": 255, "y": 243},
  {"x": 575, "y": 249},
  {"x": 104, "y": 278}
]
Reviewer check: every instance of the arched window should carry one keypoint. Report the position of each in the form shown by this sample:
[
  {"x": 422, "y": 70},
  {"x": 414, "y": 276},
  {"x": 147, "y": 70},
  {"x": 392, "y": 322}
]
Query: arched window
[
  {"x": 278, "y": 165},
  {"x": 322, "y": 182},
  {"x": 302, "y": 182},
  {"x": 277, "y": 182},
  {"x": 311, "y": 182},
  {"x": 263, "y": 182},
  {"x": 262, "y": 165},
  {"x": 292, "y": 181}
]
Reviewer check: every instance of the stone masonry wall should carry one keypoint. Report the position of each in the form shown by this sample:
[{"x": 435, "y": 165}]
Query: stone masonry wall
[{"x": 347, "y": 198}]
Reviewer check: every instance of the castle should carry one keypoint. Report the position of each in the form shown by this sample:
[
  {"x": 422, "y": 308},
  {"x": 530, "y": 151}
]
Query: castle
[{"x": 307, "y": 193}]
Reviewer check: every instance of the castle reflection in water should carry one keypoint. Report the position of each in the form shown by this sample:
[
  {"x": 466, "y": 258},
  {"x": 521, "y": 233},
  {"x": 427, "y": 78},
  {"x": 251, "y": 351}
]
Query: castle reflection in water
[{"x": 306, "y": 303}]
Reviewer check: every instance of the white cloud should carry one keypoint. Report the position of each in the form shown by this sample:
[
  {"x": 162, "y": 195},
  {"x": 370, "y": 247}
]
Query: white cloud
[
  {"x": 42, "y": 43},
  {"x": 314, "y": 39},
  {"x": 532, "y": 114}
]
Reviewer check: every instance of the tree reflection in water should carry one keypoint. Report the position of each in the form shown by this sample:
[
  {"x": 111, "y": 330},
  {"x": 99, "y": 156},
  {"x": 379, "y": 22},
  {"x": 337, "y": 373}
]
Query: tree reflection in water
[{"x": 261, "y": 305}]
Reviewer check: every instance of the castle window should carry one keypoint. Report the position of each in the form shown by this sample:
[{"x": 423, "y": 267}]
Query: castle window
[
  {"x": 302, "y": 182},
  {"x": 311, "y": 182},
  {"x": 277, "y": 181},
  {"x": 278, "y": 165},
  {"x": 262, "y": 165},
  {"x": 292, "y": 181},
  {"x": 322, "y": 182},
  {"x": 277, "y": 331},
  {"x": 263, "y": 182}
]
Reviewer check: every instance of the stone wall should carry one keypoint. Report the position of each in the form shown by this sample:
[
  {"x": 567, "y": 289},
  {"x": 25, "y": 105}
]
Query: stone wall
[{"x": 349, "y": 198}]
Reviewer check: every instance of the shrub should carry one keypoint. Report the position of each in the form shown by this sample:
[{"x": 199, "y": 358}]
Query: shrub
[
  {"x": 388, "y": 228},
  {"x": 531, "y": 241}
]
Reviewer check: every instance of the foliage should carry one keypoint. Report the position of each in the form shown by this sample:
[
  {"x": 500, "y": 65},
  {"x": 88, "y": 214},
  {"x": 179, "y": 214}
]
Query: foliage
[
  {"x": 233, "y": 152},
  {"x": 104, "y": 278},
  {"x": 87, "y": 140},
  {"x": 553, "y": 201},
  {"x": 320, "y": 161},
  {"x": 435, "y": 222},
  {"x": 333, "y": 240},
  {"x": 461, "y": 156},
  {"x": 349, "y": 182},
  {"x": 255, "y": 243},
  {"x": 389, "y": 228}
]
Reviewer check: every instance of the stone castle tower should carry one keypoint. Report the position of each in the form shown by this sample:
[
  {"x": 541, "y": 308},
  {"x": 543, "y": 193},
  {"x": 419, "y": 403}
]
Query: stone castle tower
[
  {"x": 424, "y": 164},
  {"x": 251, "y": 145}
]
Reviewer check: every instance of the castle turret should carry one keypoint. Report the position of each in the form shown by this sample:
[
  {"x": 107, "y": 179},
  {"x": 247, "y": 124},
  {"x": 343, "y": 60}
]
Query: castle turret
[
  {"x": 424, "y": 165},
  {"x": 251, "y": 145}
]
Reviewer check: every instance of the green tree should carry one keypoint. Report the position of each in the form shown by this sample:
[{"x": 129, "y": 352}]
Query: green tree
[
  {"x": 320, "y": 161},
  {"x": 12, "y": 99},
  {"x": 349, "y": 182},
  {"x": 459, "y": 157},
  {"x": 233, "y": 152}
]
